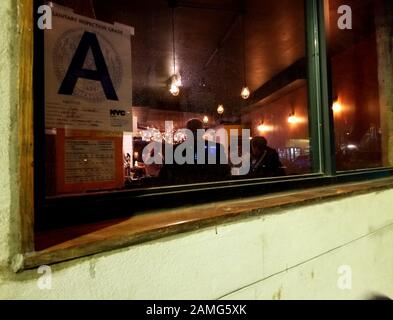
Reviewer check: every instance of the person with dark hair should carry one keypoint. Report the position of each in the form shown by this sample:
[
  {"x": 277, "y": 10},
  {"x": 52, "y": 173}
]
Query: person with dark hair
[
  {"x": 198, "y": 171},
  {"x": 265, "y": 161}
]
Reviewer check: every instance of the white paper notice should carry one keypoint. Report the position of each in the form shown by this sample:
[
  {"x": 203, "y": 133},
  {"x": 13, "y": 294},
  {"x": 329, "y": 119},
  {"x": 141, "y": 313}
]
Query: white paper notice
[
  {"x": 89, "y": 161},
  {"x": 88, "y": 79}
]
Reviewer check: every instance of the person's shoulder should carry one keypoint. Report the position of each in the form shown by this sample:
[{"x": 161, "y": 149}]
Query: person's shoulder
[{"x": 271, "y": 150}]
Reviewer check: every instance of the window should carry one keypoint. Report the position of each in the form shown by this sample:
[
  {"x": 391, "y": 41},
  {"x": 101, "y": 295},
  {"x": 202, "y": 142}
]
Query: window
[
  {"x": 236, "y": 70},
  {"x": 360, "y": 76},
  {"x": 145, "y": 104}
]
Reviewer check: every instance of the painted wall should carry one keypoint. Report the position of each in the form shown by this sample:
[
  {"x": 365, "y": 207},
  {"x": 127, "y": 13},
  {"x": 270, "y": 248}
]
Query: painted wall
[
  {"x": 9, "y": 52},
  {"x": 274, "y": 114},
  {"x": 291, "y": 254}
]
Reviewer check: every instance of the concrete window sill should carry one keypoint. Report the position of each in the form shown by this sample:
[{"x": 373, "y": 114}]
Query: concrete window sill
[{"x": 75, "y": 242}]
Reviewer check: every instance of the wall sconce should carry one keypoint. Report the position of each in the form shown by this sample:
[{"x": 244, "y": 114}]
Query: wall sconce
[
  {"x": 263, "y": 128},
  {"x": 205, "y": 119},
  {"x": 337, "y": 107},
  {"x": 292, "y": 119}
]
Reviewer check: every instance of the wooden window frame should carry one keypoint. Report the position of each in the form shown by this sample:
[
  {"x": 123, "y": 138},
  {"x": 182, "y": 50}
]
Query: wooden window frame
[
  {"x": 26, "y": 125},
  {"x": 31, "y": 196}
]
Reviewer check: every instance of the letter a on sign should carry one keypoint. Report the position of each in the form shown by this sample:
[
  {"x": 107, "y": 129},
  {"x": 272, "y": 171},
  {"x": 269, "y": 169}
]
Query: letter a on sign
[
  {"x": 345, "y": 21},
  {"x": 75, "y": 71}
]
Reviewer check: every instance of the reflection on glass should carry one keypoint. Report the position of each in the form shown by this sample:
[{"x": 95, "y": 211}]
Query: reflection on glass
[
  {"x": 359, "y": 62},
  {"x": 268, "y": 121}
]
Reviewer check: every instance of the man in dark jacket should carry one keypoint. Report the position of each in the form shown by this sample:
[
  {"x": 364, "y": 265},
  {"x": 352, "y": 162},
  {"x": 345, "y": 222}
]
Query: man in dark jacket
[
  {"x": 265, "y": 161},
  {"x": 197, "y": 171}
]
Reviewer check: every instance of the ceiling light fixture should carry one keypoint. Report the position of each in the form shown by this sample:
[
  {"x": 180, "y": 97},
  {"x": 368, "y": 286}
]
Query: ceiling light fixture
[
  {"x": 174, "y": 89},
  {"x": 245, "y": 94},
  {"x": 175, "y": 79},
  {"x": 220, "y": 109}
]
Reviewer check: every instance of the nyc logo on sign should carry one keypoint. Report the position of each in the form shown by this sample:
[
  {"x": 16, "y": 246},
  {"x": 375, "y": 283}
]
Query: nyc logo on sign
[{"x": 117, "y": 113}]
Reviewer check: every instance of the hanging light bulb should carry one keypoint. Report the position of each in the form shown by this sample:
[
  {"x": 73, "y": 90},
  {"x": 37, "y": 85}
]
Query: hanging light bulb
[
  {"x": 176, "y": 78},
  {"x": 205, "y": 119},
  {"x": 220, "y": 109},
  {"x": 245, "y": 93},
  {"x": 174, "y": 89}
]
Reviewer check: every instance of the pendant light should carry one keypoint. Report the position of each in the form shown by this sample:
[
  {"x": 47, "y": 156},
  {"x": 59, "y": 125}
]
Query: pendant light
[
  {"x": 245, "y": 94},
  {"x": 220, "y": 109},
  {"x": 175, "y": 79}
]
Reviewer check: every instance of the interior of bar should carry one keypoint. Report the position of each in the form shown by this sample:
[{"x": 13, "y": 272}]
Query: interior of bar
[{"x": 224, "y": 66}]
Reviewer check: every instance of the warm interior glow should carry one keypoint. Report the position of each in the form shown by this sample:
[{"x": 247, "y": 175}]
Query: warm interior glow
[
  {"x": 263, "y": 128},
  {"x": 220, "y": 109},
  {"x": 175, "y": 85},
  {"x": 177, "y": 80},
  {"x": 174, "y": 89},
  {"x": 292, "y": 119},
  {"x": 205, "y": 119},
  {"x": 337, "y": 107},
  {"x": 245, "y": 93}
]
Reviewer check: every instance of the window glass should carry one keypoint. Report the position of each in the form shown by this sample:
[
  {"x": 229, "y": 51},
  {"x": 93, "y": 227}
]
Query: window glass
[
  {"x": 197, "y": 91},
  {"x": 359, "y": 37}
]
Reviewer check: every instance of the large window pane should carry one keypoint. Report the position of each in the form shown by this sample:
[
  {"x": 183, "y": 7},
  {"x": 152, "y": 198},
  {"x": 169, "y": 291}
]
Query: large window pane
[
  {"x": 237, "y": 69},
  {"x": 359, "y": 35}
]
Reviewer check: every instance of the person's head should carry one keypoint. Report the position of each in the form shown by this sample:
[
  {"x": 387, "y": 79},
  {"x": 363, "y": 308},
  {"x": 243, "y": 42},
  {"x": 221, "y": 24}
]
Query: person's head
[
  {"x": 194, "y": 125},
  {"x": 258, "y": 146}
]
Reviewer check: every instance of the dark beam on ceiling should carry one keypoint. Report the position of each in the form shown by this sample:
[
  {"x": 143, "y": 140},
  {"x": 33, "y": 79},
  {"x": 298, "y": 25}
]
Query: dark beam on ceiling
[
  {"x": 294, "y": 72},
  {"x": 222, "y": 40}
]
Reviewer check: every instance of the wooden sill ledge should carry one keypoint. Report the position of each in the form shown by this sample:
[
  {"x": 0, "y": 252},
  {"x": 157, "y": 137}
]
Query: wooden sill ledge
[{"x": 76, "y": 242}]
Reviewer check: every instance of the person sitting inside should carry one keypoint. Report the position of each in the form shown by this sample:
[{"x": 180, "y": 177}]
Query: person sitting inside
[
  {"x": 265, "y": 161},
  {"x": 195, "y": 172}
]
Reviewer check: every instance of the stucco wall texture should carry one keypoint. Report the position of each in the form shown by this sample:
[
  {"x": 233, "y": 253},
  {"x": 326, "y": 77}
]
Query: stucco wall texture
[
  {"x": 292, "y": 254},
  {"x": 9, "y": 52}
]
